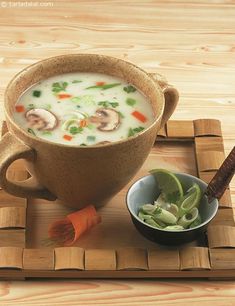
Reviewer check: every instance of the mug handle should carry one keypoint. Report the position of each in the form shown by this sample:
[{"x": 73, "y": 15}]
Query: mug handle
[
  {"x": 171, "y": 97},
  {"x": 12, "y": 149}
]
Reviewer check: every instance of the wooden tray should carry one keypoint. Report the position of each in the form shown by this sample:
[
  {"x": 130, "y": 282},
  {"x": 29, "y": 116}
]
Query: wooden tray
[{"x": 114, "y": 248}]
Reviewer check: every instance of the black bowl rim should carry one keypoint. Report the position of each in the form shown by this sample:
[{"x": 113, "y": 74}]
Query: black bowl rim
[{"x": 171, "y": 231}]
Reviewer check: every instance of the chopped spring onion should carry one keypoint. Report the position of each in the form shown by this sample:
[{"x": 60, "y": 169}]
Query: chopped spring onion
[{"x": 173, "y": 216}]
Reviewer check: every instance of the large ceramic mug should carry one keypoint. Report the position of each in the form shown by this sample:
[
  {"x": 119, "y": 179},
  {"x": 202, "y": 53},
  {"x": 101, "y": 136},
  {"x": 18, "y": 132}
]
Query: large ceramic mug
[{"x": 75, "y": 175}]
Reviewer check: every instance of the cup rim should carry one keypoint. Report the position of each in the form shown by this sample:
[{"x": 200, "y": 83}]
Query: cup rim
[
  {"x": 38, "y": 139},
  {"x": 170, "y": 231}
]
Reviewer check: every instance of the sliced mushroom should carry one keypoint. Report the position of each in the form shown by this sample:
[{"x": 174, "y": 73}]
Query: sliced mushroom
[
  {"x": 41, "y": 119},
  {"x": 107, "y": 119}
]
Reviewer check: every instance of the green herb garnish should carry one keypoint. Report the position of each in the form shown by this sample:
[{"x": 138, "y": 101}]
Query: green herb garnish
[
  {"x": 108, "y": 104},
  {"x": 83, "y": 145},
  {"x": 130, "y": 101},
  {"x": 76, "y": 81},
  {"x": 138, "y": 129},
  {"x": 75, "y": 99},
  {"x": 31, "y": 106},
  {"x": 90, "y": 126},
  {"x": 37, "y": 93},
  {"x": 105, "y": 86},
  {"x": 47, "y": 106},
  {"x": 31, "y": 131},
  {"x": 75, "y": 130},
  {"x": 86, "y": 99},
  {"x": 134, "y": 131},
  {"x": 91, "y": 138},
  {"x": 121, "y": 115},
  {"x": 129, "y": 89},
  {"x": 59, "y": 86},
  {"x": 131, "y": 132},
  {"x": 46, "y": 133},
  {"x": 114, "y": 104}
]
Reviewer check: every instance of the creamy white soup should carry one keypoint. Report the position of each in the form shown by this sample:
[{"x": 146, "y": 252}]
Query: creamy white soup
[{"x": 83, "y": 109}]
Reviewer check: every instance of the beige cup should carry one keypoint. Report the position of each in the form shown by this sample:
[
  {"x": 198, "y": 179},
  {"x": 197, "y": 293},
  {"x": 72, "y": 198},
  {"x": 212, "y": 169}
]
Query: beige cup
[{"x": 78, "y": 176}]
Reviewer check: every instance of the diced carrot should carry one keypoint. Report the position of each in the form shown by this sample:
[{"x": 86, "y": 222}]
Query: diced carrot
[
  {"x": 139, "y": 116},
  {"x": 83, "y": 123},
  {"x": 100, "y": 83},
  {"x": 67, "y": 137},
  {"x": 64, "y": 96},
  {"x": 20, "y": 108}
]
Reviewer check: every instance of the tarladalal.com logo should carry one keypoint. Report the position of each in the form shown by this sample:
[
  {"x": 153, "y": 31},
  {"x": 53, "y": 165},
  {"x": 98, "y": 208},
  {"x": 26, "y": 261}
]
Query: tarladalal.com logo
[{"x": 23, "y": 4}]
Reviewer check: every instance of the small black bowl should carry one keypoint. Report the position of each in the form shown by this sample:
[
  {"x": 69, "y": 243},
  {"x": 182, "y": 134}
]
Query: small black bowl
[{"x": 146, "y": 190}]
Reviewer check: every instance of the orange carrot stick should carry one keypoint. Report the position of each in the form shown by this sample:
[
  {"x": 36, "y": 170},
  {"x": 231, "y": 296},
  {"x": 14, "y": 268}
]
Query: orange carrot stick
[
  {"x": 20, "y": 108},
  {"x": 83, "y": 220},
  {"x": 139, "y": 116},
  {"x": 64, "y": 96},
  {"x": 58, "y": 228},
  {"x": 66, "y": 231}
]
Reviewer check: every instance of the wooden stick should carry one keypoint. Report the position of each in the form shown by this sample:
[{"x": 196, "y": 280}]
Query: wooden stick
[{"x": 222, "y": 178}]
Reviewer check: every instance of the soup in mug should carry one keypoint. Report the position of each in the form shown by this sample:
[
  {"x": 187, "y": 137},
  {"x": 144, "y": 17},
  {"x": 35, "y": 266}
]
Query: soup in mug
[{"x": 83, "y": 109}]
